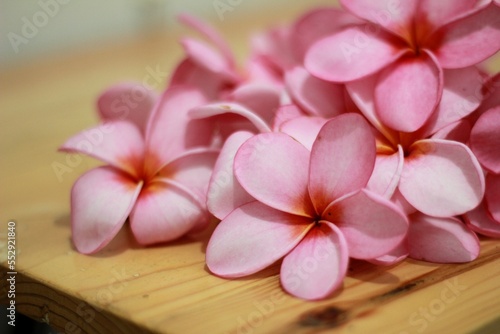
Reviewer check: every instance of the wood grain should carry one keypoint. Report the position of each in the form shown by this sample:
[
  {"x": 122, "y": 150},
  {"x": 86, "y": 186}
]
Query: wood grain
[{"x": 167, "y": 288}]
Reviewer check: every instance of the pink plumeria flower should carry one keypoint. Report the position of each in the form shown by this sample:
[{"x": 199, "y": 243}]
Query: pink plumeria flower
[
  {"x": 485, "y": 143},
  {"x": 408, "y": 44},
  {"x": 310, "y": 209},
  {"x": 156, "y": 178}
]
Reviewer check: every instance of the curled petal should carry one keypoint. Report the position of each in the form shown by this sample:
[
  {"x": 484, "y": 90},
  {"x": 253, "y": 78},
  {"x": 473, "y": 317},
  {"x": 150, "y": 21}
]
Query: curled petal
[
  {"x": 273, "y": 168},
  {"x": 304, "y": 129},
  {"x": 371, "y": 225},
  {"x": 485, "y": 140},
  {"x": 479, "y": 32},
  {"x": 386, "y": 173},
  {"x": 127, "y": 101},
  {"x": 408, "y": 92},
  {"x": 101, "y": 201},
  {"x": 165, "y": 212},
  {"x": 316, "y": 267},
  {"x": 492, "y": 196},
  {"x": 442, "y": 178},
  {"x": 441, "y": 240},
  {"x": 253, "y": 237},
  {"x": 225, "y": 192},
  {"x": 316, "y": 96},
  {"x": 438, "y": 13},
  {"x": 342, "y": 159},
  {"x": 481, "y": 222},
  {"x": 458, "y": 131},
  {"x": 286, "y": 113},
  {"x": 343, "y": 56},
  {"x": 397, "y": 255},
  {"x": 262, "y": 99},
  {"x": 118, "y": 143}
]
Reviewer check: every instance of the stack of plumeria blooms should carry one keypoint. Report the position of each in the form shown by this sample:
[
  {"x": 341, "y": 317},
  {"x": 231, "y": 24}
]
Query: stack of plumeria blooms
[{"x": 370, "y": 132}]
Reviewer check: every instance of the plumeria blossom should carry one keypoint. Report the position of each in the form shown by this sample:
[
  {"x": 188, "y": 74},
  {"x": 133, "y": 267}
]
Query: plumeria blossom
[
  {"x": 156, "y": 178},
  {"x": 408, "y": 44},
  {"x": 319, "y": 220}
]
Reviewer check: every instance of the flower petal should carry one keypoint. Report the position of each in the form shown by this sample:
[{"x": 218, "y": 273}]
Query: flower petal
[
  {"x": 221, "y": 108},
  {"x": 481, "y": 222},
  {"x": 485, "y": 140},
  {"x": 262, "y": 99},
  {"x": 492, "y": 196},
  {"x": 286, "y": 113},
  {"x": 342, "y": 159},
  {"x": 442, "y": 178},
  {"x": 316, "y": 24},
  {"x": 372, "y": 226},
  {"x": 304, "y": 129},
  {"x": 118, "y": 143},
  {"x": 101, "y": 200},
  {"x": 441, "y": 240},
  {"x": 408, "y": 92},
  {"x": 316, "y": 96},
  {"x": 171, "y": 131},
  {"x": 394, "y": 16},
  {"x": 386, "y": 173},
  {"x": 225, "y": 192},
  {"x": 461, "y": 96},
  {"x": 479, "y": 32},
  {"x": 343, "y": 56},
  {"x": 127, "y": 101},
  {"x": 165, "y": 212},
  {"x": 273, "y": 168},
  {"x": 253, "y": 237},
  {"x": 458, "y": 131},
  {"x": 397, "y": 255},
  {"x": 317, "y": 266}
]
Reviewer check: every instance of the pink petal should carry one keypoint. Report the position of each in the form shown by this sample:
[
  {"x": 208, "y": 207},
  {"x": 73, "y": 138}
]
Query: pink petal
[
  {"x": 371, "y": 225},
  {"x": 286, "y": 113},
  {"x": 171, "y": 131},
  {"x": 190, "y": 74},
  {"x": 461, "y": 96},
  {"x": 316, "y": 24},
  {"x": 408, "y": 92},
  {"x": 225, "y": 192},
  {"x": 442, "y": 178},
  {"x": 439, "y": 13},
  {"x": 118, "y": 143},
  {"x": 342, "y": 159},
  {"x": 492, "y": 196},
  {"x": 165, "y": 212},
  {"x": 458, "y": 131},
  {"x": 491, "y": 89},
  {"x": 481, "y": 222},
  {"x": 304, "y": 129},
  {"x": 362, "y": 94},
  {"x": 274, "y": 45},
  {"x": 386, "y": 173},
  {"x": 221, "y": 108},
  {"x": 262, "y": 99},
  {"x": 211, "y": 34},
  {"x": 395, "y": 256},
  {"x": 206, "y": 57},
  {"x": 316, "y": 96},
  {"x": 253, "y": 237},
  {"x": 260, "y": 69},
  {"x": 317, "y": 266},
  {"x": 127, "y": 101},
  {"x": 441, "y": 240},
  {"x": 394, "y": 16},
  {"x": 485, "y": 140},
  {"x": 479, "y": 32},
  {"x": 101, "y": 200},
  {"x": 273, "y": 168},
  {"x": 343, "y": 56}
]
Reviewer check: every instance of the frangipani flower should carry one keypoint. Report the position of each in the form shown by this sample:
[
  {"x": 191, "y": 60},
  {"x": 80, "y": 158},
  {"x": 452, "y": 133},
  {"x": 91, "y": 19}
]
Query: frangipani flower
[
  {"x": 408, "y": 44},
  {"x": 310, "y": 209},
  {"x": 157, "y": 179}
]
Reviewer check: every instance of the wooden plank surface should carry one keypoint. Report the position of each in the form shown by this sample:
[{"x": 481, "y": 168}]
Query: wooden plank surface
[{"x": 167, "y": 288}]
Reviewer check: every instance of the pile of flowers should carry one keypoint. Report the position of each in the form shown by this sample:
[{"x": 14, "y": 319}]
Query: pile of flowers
[{"x": 369, "y": 132}]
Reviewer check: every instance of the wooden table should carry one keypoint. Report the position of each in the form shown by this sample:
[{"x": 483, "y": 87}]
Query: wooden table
[{"x": 129, "y": 289}]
